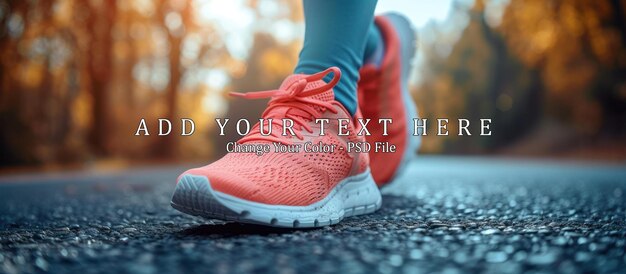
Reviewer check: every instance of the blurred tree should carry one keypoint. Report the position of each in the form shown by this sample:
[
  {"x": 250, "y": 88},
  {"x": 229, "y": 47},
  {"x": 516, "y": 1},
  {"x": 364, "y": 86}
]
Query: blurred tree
[
  {"x": 13, "y": 19},
  {"x": 175, "y": 18},
  {"x": 478, "y": 79},
  {"x": 78, "y": 75},
  {"x": 100, "y": 19},
  {"x": 547, "y": 61},
  {"x": 578, "y": 47}
]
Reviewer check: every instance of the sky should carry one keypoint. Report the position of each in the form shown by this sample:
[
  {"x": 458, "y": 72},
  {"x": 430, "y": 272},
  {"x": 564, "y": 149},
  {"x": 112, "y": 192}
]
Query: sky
[{"x": 419, "y": 12}]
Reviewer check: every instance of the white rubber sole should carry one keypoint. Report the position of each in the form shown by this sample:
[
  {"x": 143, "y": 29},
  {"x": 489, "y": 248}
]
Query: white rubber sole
[{"x": 353, "y": 196}]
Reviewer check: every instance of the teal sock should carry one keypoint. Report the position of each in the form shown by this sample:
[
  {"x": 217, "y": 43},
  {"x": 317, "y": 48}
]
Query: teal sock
[
  {"x": 374, "y": 47},
  {"x": 335, "y": 35}
]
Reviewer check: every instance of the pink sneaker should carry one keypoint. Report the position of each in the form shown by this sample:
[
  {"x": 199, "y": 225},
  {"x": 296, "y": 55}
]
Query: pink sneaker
[
  {"x": 298, "y": 189},
  {"x": 384, "y": 93}
]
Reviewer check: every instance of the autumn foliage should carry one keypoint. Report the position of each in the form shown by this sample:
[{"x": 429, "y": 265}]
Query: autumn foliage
[
  {"x": 76, "y": 76},
  {"x": 551, "y": 74}
]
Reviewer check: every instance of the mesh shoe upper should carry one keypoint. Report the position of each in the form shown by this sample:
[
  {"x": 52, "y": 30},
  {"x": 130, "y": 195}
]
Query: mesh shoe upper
[{"x": 299, "y": 178}]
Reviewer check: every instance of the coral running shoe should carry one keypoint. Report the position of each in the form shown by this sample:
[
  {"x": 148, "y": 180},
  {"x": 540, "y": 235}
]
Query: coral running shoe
[
  {"x": 383, "y": 93},
  {"x": 305, "y": 188}
]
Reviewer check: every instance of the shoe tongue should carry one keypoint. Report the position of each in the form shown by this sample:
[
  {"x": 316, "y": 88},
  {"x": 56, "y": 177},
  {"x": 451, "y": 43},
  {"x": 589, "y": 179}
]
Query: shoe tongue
[{"x": 326, "y": 96}]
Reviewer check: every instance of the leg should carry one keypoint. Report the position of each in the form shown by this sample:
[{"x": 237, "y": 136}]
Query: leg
[
  {"x": 335, "y": 35},
  {"x": 374, "y": 47}
]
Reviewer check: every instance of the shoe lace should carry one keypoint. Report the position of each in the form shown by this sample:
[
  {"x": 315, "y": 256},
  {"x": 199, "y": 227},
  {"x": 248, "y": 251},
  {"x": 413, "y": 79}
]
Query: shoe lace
[{"x": 294, "y": 102}]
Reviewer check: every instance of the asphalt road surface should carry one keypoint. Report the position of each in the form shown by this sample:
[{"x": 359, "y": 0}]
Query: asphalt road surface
[{"x": 446, "y": 215}]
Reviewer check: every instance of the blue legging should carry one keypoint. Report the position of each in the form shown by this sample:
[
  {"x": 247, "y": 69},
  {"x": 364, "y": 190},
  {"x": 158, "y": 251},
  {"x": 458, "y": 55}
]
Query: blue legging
[{"x": 339, "y": 33}]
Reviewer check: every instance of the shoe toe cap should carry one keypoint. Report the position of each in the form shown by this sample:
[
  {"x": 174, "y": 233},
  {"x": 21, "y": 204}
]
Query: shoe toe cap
[{"x": 229, "y": 183}]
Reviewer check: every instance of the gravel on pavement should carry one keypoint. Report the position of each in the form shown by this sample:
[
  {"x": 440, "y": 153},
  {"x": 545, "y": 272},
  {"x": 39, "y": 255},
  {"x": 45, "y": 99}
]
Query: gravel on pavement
[{"x": 445, "y": 215}]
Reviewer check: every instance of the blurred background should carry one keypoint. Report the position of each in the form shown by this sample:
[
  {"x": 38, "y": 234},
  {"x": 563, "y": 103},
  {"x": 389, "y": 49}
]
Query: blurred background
[{"x": 76, "y": 76}]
